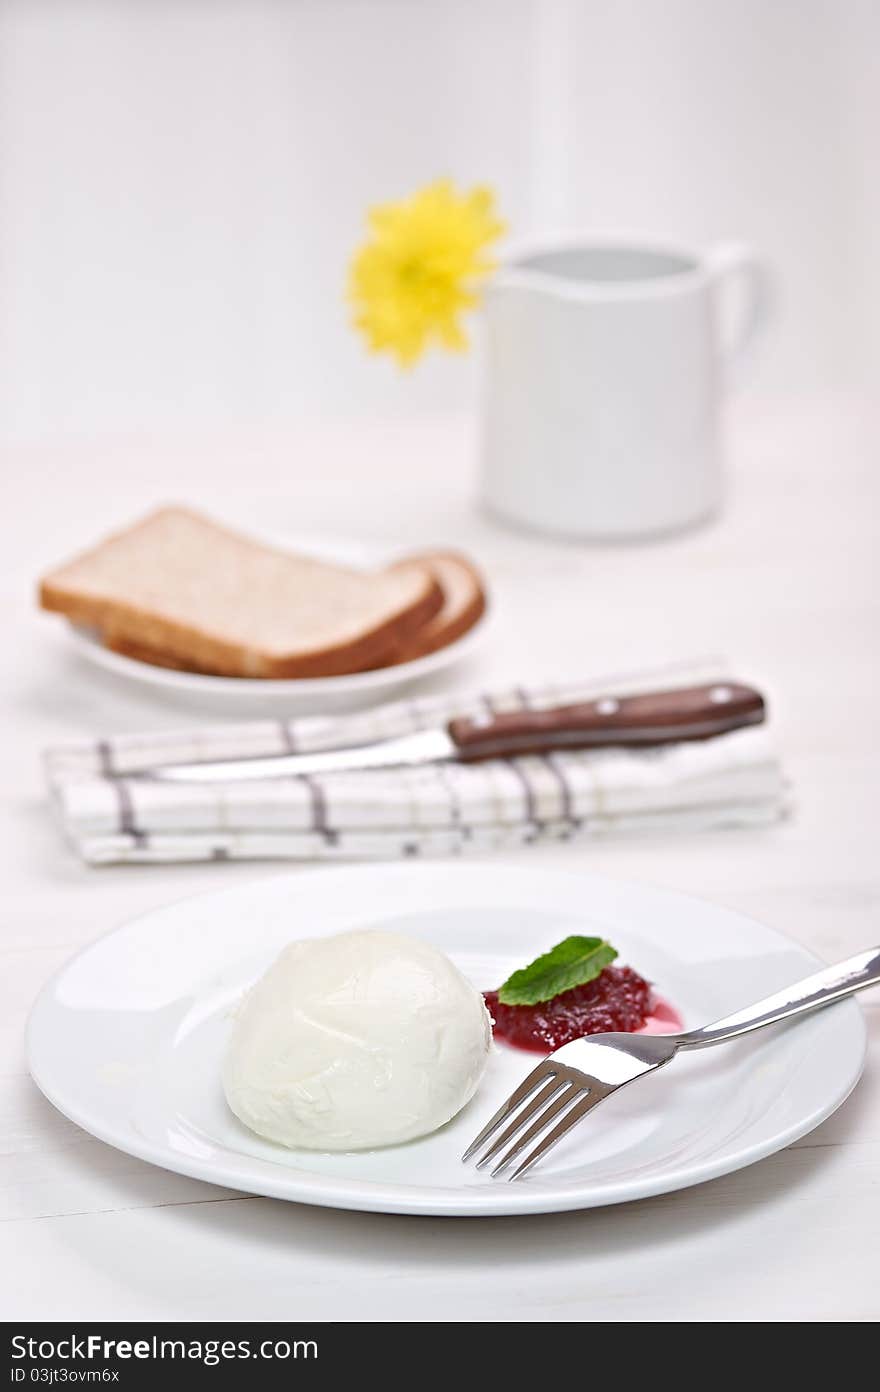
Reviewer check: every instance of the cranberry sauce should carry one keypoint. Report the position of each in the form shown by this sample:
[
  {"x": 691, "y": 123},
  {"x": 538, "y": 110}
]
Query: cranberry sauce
[{"x": 617, "y": 999}]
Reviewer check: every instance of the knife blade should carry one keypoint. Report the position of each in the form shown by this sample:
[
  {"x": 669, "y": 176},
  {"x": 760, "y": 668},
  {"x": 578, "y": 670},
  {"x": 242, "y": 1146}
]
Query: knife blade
[{"x": 650, "y": 718}]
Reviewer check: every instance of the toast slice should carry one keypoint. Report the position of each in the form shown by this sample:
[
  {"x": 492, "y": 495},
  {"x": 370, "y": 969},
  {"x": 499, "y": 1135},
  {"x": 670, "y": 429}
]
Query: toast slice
[
  {"x": 213, "y": 600},
  {"x": 464, "y": 602},
  {"x": 142, "y": 652}
]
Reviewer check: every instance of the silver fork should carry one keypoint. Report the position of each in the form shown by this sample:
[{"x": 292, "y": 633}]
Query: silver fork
[{"x": 573, "y": 1080}]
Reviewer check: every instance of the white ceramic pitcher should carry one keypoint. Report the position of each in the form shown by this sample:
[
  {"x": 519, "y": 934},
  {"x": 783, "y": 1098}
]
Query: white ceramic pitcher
[{"x": 605, "y": 367}]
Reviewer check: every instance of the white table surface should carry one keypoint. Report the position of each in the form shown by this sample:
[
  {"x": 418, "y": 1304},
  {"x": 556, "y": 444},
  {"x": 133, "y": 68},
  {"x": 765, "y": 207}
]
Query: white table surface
[{"x": 785, "y": 584}]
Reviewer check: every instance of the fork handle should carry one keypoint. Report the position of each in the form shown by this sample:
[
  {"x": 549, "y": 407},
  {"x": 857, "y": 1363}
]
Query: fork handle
[{"x": 830, "y": 984}]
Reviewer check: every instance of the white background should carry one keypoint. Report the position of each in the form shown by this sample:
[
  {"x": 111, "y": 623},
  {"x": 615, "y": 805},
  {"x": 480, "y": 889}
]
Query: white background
[{"x": 181, "y": 183}]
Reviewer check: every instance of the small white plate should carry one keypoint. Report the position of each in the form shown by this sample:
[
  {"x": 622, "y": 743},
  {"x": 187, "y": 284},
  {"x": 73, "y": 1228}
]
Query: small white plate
[
  {"x": 127, "y": 1039},
  {"x": 300, "y": 696}
]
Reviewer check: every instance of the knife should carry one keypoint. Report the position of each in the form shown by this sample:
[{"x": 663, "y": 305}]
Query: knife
[{"x": 651, "y": 718}]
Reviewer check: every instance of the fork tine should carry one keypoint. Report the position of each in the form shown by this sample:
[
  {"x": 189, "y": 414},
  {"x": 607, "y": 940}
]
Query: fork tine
[
  {"x": 522, "y": 1118},
  {"x": 572, "y": 1092},
  {"x": 571, "y": 1118},
  {"x": 532, "y": 1080}
]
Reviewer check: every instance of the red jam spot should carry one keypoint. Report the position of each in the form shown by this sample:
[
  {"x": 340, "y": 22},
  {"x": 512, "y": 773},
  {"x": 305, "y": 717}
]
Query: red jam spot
[
  {"x": 617, "y": 999},
  {"x": 663, "y": 1019}
]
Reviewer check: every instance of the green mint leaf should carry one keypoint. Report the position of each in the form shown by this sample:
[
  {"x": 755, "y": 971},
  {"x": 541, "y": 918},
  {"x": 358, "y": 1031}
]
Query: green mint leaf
[{"x": 572, "y": 962}]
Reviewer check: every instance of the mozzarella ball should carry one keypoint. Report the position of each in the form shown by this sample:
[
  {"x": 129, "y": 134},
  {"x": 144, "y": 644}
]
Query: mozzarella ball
[{"x": 359, "y": 1040}]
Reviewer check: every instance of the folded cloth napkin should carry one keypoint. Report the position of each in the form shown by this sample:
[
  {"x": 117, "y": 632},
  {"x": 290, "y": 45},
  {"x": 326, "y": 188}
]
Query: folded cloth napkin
[{"x": 733, "y": 780}]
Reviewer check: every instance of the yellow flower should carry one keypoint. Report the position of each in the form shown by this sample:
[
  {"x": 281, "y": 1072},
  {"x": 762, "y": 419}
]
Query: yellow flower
[{"x": 411, "y": 281}]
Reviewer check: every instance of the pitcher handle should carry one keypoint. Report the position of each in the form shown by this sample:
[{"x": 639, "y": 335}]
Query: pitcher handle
[{"x": 729, "y": 263}]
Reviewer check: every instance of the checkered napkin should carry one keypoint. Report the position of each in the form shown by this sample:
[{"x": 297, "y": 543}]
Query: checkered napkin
[{"x": 733, "y": 780}]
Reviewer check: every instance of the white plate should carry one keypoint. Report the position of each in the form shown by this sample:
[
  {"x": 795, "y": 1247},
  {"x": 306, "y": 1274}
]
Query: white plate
[
  {"x": 127, "y": 1039},
  {"x": 300, "y": 696}
]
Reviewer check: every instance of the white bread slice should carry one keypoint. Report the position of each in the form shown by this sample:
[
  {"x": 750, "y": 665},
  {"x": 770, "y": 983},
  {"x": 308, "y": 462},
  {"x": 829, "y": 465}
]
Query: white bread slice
[
  {"x": 464, "y": 602},
  {"x": 214, "y": 600},
  {"x": 142, "y": 652}
]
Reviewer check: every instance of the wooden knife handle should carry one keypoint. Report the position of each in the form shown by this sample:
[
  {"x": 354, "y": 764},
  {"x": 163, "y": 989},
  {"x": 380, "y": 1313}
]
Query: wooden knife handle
[{"x": 656, "y": 717}]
